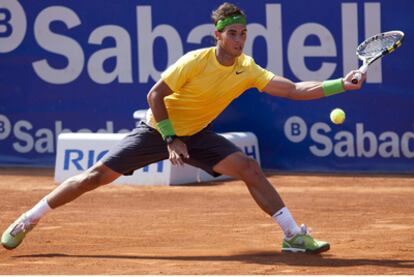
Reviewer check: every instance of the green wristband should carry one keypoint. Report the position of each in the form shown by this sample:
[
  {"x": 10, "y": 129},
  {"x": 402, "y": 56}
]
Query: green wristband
[
  {"x": 331, "y": 87},
  {"x": 165, "y": 128}
]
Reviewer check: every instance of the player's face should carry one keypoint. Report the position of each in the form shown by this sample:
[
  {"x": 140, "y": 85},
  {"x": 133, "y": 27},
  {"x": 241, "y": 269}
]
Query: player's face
[{"x": 232, "y": 39}]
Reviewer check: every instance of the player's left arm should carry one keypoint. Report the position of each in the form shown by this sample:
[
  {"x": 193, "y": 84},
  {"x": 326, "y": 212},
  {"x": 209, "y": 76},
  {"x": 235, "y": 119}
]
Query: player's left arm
[{"x": 282, "y": 87}]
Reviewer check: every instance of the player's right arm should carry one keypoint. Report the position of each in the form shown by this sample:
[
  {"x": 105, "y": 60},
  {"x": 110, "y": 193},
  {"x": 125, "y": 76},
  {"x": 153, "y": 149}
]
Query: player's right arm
[
  {"x": 172, "y": 79},
  {"x": 155, "y": 100},
  {"x": 177, "y": 149}
]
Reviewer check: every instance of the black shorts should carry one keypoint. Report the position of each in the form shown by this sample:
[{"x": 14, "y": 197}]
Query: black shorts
[{"x": 144, "y": 146}]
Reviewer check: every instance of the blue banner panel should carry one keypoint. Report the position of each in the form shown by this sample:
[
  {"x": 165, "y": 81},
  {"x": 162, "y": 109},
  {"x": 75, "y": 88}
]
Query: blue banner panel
[{"x": 86, "y": 66}]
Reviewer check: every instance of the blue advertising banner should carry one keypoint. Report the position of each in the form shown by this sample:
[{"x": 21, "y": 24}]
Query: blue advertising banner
[{"x": 86, "y": 66}]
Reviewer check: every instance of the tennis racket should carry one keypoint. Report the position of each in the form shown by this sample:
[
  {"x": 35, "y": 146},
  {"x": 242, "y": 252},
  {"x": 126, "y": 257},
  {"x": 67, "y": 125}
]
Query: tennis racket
[{"x": 376, "y": 47}]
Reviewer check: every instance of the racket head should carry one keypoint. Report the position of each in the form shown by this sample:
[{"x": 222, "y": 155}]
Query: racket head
[{"x": 379, "y": 45}]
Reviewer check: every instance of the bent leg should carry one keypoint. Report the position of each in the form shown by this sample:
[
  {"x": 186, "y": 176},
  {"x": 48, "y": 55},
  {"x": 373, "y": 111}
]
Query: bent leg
[
  {"x": 72, "y": 188},
  {"x": 239, "y": 166},
  {"x": 296, "y": 239}
]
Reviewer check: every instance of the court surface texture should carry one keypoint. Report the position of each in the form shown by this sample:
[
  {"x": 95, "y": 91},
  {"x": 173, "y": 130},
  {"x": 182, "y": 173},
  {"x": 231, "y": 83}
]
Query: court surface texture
[{"x": 212, "y": 228}]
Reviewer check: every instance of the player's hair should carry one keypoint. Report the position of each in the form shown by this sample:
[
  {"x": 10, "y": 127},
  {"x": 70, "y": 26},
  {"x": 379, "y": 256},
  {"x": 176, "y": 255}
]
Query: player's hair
[{"x": 225, "y": 10}]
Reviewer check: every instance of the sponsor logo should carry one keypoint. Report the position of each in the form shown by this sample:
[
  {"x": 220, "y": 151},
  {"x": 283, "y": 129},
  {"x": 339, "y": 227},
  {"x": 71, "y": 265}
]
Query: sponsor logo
[
  {"x": 359, "y": 142},
  {"x": 80, "y": 160},
  {"x": 25, "y": 137},
  {"x": 14, "y": 27},
  {"x": 279, "y": 214}
]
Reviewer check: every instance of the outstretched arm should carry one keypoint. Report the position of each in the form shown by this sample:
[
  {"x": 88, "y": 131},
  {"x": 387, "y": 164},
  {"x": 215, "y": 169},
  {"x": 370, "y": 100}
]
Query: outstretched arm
[{"x": 282, "y": 87}]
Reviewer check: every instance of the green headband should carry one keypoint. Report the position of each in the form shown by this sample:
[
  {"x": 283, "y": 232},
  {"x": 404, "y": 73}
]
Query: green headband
[{"x": 235, "y": 19}]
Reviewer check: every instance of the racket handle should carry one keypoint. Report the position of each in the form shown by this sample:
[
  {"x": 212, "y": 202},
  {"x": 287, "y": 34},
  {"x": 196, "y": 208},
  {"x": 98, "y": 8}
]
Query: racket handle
[{"x": 357, "y": 76}]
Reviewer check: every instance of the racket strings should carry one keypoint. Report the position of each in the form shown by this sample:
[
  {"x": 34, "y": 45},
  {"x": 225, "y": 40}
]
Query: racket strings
[{"x": 378, "y": 45}]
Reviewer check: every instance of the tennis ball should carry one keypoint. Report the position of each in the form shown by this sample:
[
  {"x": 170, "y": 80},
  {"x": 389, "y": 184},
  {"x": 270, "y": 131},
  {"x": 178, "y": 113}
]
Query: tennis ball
[{"x": 337, "y": 116}]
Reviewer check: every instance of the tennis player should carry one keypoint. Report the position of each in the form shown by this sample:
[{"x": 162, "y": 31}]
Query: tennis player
[{"x": 189, "y": 96}]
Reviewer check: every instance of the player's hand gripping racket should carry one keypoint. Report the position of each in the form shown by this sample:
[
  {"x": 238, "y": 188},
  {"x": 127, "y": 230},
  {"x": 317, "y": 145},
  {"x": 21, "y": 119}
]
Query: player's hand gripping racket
[{"x": 376, "y": 47}]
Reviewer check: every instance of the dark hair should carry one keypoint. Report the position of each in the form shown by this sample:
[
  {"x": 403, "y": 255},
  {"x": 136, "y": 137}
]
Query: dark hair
[{"x": 225, "y": 10}]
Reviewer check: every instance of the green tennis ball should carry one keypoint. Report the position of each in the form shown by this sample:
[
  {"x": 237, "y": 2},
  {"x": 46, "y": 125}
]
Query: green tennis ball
[{"x": 337, "y": 116}]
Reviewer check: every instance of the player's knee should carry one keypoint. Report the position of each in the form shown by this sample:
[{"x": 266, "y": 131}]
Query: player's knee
[
  {"x": 249, "y": 169},
  {"x": 91, "y": 179}
]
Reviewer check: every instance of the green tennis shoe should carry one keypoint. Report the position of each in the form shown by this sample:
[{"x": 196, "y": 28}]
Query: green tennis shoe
[
  {"x": 303, "y": 242},
  {"x": 16, "y": 232}
]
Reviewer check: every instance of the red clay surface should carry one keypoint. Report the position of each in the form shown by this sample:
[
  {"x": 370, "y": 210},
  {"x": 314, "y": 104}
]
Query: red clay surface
[{"x": 214, "y": 228}]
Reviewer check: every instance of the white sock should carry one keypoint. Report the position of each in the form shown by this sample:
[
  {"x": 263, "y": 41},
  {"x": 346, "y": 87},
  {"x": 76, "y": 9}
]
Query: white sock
[
  {"x": 286, "y": 222},
  {"x": 39, "y": 210}
]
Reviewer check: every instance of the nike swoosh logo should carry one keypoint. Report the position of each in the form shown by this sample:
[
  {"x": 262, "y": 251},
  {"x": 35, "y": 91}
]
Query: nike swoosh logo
[
  {"x": 239, "y": 72},
  {"x": 279, "y": 214}
]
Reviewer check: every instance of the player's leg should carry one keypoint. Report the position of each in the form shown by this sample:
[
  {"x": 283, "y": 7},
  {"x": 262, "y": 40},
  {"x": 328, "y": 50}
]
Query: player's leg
[
  {"x": 239, "y": 166},
  {"x": 69, "y": 190},
  {"x": 142, "y": 146},
  {"x": 296, "y": 239},
  {"x": 72, "y": 188}
]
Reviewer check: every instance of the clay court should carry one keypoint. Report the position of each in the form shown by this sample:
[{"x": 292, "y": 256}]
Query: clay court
[{"x": 213, "y": 228}]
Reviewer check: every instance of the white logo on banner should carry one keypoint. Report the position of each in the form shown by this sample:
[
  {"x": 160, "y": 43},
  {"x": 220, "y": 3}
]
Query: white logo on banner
[
  {"x": 359, "y": 143},
  {"x": 13, "y": 28},
  {"x": 13, "y": 25},
  {"x": 27, "y": 138}
]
